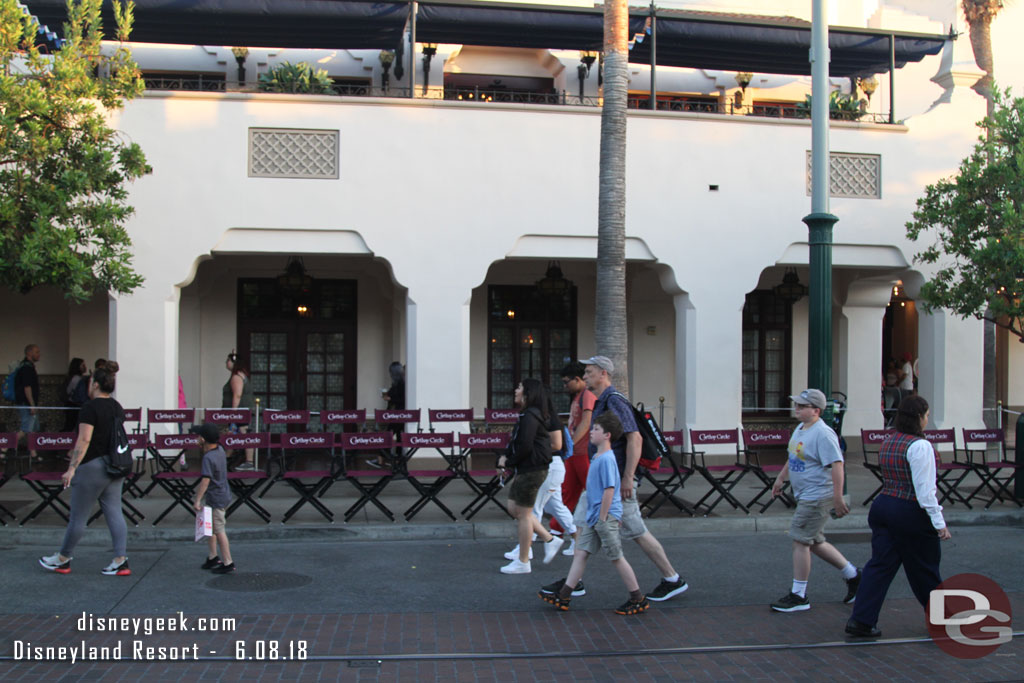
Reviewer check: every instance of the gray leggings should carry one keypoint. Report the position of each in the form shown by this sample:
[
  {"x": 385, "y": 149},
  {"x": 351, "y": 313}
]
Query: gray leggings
[{"x": 89, "y": 483}]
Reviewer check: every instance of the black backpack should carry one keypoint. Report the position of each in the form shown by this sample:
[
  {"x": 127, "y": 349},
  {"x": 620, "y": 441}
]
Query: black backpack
[
  {"x": 119, "y": 452},
  {"x": 654, "y": 446}
]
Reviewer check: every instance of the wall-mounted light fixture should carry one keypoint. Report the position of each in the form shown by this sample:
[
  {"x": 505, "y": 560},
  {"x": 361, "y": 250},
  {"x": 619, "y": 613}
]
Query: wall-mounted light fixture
[{"x": 790, "y": 289}]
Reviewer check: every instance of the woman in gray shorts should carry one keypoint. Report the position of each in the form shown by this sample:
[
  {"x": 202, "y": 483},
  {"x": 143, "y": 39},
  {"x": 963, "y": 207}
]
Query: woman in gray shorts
[
  {"x": 529, "y": 453},
  {"x": 87, "y": 476}
]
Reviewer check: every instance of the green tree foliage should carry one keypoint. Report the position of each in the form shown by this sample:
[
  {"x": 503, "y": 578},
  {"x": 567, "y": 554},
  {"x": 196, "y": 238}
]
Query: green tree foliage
[
  {"x": 63, "y": 170},
  {"x": 295, "y": 78},
  {"x": 977, "y": 219}
]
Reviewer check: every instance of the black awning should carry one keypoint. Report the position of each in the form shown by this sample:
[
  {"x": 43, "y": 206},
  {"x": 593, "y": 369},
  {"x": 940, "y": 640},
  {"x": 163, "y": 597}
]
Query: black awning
[
  {"x": 351, "y": 24},
  {"x": 528, "y": 26},
  {"x": 686, "y": 39},
  {"x": 778, "y": 48}
]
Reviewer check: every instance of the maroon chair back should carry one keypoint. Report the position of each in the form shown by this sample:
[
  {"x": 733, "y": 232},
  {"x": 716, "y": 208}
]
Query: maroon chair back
[
  {"x": 233, "y": 441},
  {"x": 285, "y": 417},
  {"x": 345, "y": 416},
  {"x": 226, "y": 416},
  {"x": 484, "y": 442},
  {"x": 176, "y": 442},
  {"x": 51, "y": 441},
  {"x": 171, "y": 416},
  {"x": 501, "y": 416},
  {"x": 983, "y": 438},
  {"x": 449, "y": 415},
  {"x": 714, "y": 437},
  {"x": 366, "y": 441},
  {"x": 426, "y": 440},
  {"x": 390, "y": 416},
  {"x": 305, "y": 440},
  {"x": 768, "y": 438}
]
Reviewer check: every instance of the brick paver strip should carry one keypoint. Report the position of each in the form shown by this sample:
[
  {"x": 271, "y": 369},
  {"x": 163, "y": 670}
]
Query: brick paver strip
[{"x": 538, "y": 644}]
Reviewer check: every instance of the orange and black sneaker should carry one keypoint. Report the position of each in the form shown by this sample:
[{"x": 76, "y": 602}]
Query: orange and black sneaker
[
  {"x": 53, "y": 563},
  {"x": 115, "y": 569},
  {"x": 553, "y": 599},
  {"x": 634, "y": 606}
]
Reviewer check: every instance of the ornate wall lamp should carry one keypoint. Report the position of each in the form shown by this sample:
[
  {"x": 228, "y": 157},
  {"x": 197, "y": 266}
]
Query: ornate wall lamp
[
  {"x": 240, "y": 54},
  {"x": 587, "y": 59},
  {"x": 790, "y": 290},
  {"x": 429, "y": 50},
  {"x": 387, "y": 58}
]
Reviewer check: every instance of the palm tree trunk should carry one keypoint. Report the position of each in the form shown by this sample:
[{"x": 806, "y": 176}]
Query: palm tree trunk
[
  {"x": 611, "y": 326},
  {"x": 981, "y": 44},
  {"x": 979, "y": 15}
]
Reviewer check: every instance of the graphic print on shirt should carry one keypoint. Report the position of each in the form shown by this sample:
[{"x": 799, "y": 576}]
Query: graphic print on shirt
[{"x": 796, "y": 458}]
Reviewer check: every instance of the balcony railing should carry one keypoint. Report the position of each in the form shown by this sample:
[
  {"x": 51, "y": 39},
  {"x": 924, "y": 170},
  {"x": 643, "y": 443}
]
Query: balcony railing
[
  {"x": 198, "y": 84},
  {"x": 781, "y": 110}
]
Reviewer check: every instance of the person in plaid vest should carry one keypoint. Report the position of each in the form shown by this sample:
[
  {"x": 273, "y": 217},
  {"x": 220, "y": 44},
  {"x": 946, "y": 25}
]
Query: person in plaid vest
[{"x": 906, "y": 520}]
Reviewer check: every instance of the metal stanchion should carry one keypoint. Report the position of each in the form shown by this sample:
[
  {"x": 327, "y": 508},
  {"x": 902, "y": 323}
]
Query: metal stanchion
[
  {"x": 256, "y": 427},
  {"x": 1018, "y": 477}
]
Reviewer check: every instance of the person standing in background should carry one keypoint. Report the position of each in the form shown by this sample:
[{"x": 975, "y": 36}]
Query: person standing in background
[
  {"x": 238, "y": 394},
  {"x": 26, "y": 394},
  {"x": 394, "y": 398},
  {"x": 76, "y": 392}
]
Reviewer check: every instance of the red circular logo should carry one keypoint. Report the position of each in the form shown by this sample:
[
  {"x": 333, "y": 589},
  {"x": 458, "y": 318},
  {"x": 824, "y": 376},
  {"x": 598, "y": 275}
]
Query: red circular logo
[{"x": 969, "y": 616}]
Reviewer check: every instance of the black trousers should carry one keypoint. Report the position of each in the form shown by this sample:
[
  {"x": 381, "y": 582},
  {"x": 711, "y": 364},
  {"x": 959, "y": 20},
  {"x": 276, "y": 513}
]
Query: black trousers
[{"x": 901, "y": 534}]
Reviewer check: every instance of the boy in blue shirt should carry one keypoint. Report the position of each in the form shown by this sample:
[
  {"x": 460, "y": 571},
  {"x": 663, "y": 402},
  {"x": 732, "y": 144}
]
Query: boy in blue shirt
[{"x": 604, "y": 513}]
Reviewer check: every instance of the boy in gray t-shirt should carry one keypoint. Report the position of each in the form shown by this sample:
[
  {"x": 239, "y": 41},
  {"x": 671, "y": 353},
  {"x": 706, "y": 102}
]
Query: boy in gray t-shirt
[
  {"x": 815, "y": 469},
  {"x": 213, "y": 491}
]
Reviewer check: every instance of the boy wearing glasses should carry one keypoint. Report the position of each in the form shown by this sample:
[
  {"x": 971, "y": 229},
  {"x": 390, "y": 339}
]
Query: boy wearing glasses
[{"x": 813, "y": 450}]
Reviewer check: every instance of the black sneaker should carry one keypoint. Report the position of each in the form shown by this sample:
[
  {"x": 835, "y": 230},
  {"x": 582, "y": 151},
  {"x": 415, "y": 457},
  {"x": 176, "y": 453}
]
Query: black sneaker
[
  {"x": 633, "y": 606},
  {"x": 667, "y": 589},
  {"x": 851, "y": 588},
  {"x": 554, "y": 588},
  {"x": 553, "y": 599},
  {"x": 791, "y": 603},
  {"x": 224, "y": 568},
  {"x": 212, "y": 562}
]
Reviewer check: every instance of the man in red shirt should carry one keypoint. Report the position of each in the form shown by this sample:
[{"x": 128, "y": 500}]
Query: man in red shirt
[{"x": 577, "y": 463}]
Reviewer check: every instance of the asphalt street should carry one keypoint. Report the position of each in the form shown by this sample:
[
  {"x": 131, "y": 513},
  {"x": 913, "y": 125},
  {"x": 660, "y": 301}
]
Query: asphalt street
[
  {"x": 440, "y": 610},
  {"x": 386, "y": 577}
]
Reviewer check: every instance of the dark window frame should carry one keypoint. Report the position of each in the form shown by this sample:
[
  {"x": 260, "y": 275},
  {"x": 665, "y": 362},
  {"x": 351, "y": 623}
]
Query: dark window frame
[{"x": 756, "y": 318}]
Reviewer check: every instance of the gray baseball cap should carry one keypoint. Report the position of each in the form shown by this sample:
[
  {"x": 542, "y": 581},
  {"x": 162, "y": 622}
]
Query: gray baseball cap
[
  {"x": 810, "y": 397},
  {"x": 603, "y": 362}
]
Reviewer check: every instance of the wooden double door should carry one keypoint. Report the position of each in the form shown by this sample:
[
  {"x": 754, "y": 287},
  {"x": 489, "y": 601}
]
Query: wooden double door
[{"x": 301, "y": 364}]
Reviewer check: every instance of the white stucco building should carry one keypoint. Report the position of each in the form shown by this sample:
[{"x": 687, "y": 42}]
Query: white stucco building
[{"x": 425, "y": 223}]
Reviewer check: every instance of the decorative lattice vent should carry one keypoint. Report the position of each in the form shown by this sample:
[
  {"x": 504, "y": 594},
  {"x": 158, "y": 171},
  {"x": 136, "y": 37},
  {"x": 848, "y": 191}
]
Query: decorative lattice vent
[
  {"x": 852, "y": 175},
  {"x": 293, "y": 153}
]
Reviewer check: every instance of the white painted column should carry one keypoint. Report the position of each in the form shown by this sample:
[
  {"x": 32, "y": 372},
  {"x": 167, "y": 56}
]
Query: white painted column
[
  {"x": 950, "y": 368},
  {"x": 686, "y": 364},
  {"x": 437, "y": 339},
  {"x": 718, "y": 358},
  {"x": 144, "y": 342},
  {"x": 859, "y": 358}
]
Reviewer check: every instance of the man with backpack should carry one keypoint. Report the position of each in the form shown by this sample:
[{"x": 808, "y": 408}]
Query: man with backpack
[{"x": 627, "y": 449}]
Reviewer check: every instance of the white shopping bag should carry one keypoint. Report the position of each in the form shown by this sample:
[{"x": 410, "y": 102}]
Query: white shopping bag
[{"x": 204, "y": 523}]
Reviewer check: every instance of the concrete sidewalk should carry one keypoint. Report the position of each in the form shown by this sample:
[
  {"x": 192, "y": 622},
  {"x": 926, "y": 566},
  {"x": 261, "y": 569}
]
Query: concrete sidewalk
[{"x": 432, "y": 523}]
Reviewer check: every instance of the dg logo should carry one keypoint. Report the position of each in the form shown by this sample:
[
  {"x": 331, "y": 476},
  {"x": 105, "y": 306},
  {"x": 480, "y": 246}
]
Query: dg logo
[{"x": 969, "y": 616}]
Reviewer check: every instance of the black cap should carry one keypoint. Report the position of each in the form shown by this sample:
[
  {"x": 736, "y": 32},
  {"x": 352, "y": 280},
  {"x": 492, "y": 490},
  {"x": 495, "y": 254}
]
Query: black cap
[{"x": 208, "y": 432}]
